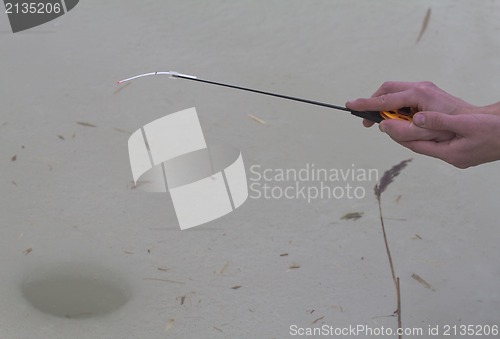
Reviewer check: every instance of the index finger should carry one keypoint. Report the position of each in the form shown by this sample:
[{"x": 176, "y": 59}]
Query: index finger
[
  {"x": 384, "y": 102},
  {"x": 393, "y": 87}
]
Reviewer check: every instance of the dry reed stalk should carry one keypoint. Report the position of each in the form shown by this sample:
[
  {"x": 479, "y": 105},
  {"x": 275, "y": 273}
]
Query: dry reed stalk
[{"x": 379, "y": 188}]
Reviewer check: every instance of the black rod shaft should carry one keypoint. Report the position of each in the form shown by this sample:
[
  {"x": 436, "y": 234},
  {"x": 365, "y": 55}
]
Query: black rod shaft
[{"x": 312, "y": 102}]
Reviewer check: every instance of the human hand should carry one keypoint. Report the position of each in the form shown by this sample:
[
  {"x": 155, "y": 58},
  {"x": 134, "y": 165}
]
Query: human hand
[
  {"x": 447, "y": 127},
  {"x": 475, "y": 137},
  {"x": 423, "y": 96}
]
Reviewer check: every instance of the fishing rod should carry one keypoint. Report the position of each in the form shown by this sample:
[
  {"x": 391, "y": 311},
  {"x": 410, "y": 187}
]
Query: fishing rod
[{"x": 375, "y": 116}]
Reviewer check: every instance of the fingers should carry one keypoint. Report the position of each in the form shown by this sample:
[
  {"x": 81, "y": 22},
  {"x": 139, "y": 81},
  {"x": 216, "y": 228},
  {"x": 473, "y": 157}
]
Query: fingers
[
  {"x": 393, "y": 95},
  {"x": 426, "y": 126},
  {"x": 442, "y": 122},
  {"x": 393, "y": 87},
  {"x": 384, "y": 102},
  {"x": 403, "y": 131},
  {"x": 448, "y": 151},
  {"x": 382, "y": 98},
  {"x": 368, "y": 123},
  {"x": 440, "y": 150},
  {"x": 476, "y": 140}
]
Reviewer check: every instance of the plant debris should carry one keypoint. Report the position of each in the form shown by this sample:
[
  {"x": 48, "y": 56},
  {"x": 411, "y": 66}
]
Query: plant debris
[
  {"x": 218, "y": 329},
  {"x": 379, "y": 188},
  {"x": 60, "y": 137},
  {"x": 398, "y": 219},
  {"x": 293, "y": 266},
  {"x": 416, "y": 236},
  {"x": 165, "y": 280},
  {"x": 162, "y": 269},
  {"x": 339, "y": 307},
  {"x": 182, "y": 298},
  {"x": 14, "y": 157},
  {"x": 224, "y": 268},
  {"x": 236, "y": 287},
  {"x": 28, "y": 251},
  {"x": 316, "y": 320},
  {"x": 389, "y": 176},
  {"x": 86, "y": 124},
  {"x": 121, "y": 130},
  {"x": 283, "y": 254},
  {"x": 425, "y": 23},
  {"x": 422, "y": 282},
  {"x": 169, "y": 324},
  {"x": 352, "y": 216},
  {"x": 259, "y": 120}
]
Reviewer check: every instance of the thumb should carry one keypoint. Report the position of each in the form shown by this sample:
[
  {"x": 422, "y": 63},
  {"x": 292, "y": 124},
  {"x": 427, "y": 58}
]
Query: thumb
[{"x": 439, "y": 121}]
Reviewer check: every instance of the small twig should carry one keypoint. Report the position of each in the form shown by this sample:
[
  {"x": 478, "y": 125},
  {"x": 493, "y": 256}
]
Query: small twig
[
  {"x": 386, "y": 242},
  {"x": 316, "y": 320},
  {"x": 165, "y": 280},
  {"x": 168, "y": 325},
  {"x": 86, "y": 124},
  {"x": 259, "y": 120},
  {"x": 425, "y": 23},
  {"x": 393, "y": 272},
  {"x": 422, "y": 282}
]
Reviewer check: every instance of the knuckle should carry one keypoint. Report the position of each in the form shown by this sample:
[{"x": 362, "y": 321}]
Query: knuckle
[
  {"x": 387, "y": 84},
  {"x": 386, "y": 100},
  {"x": 383, "y": 98},
  {"x": 424, "y": 86},
  {"x": 427, "y": 84}
]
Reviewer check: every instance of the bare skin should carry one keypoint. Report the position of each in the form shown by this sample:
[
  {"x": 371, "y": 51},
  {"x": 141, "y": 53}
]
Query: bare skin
[{"x": 445, "y": 126}]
